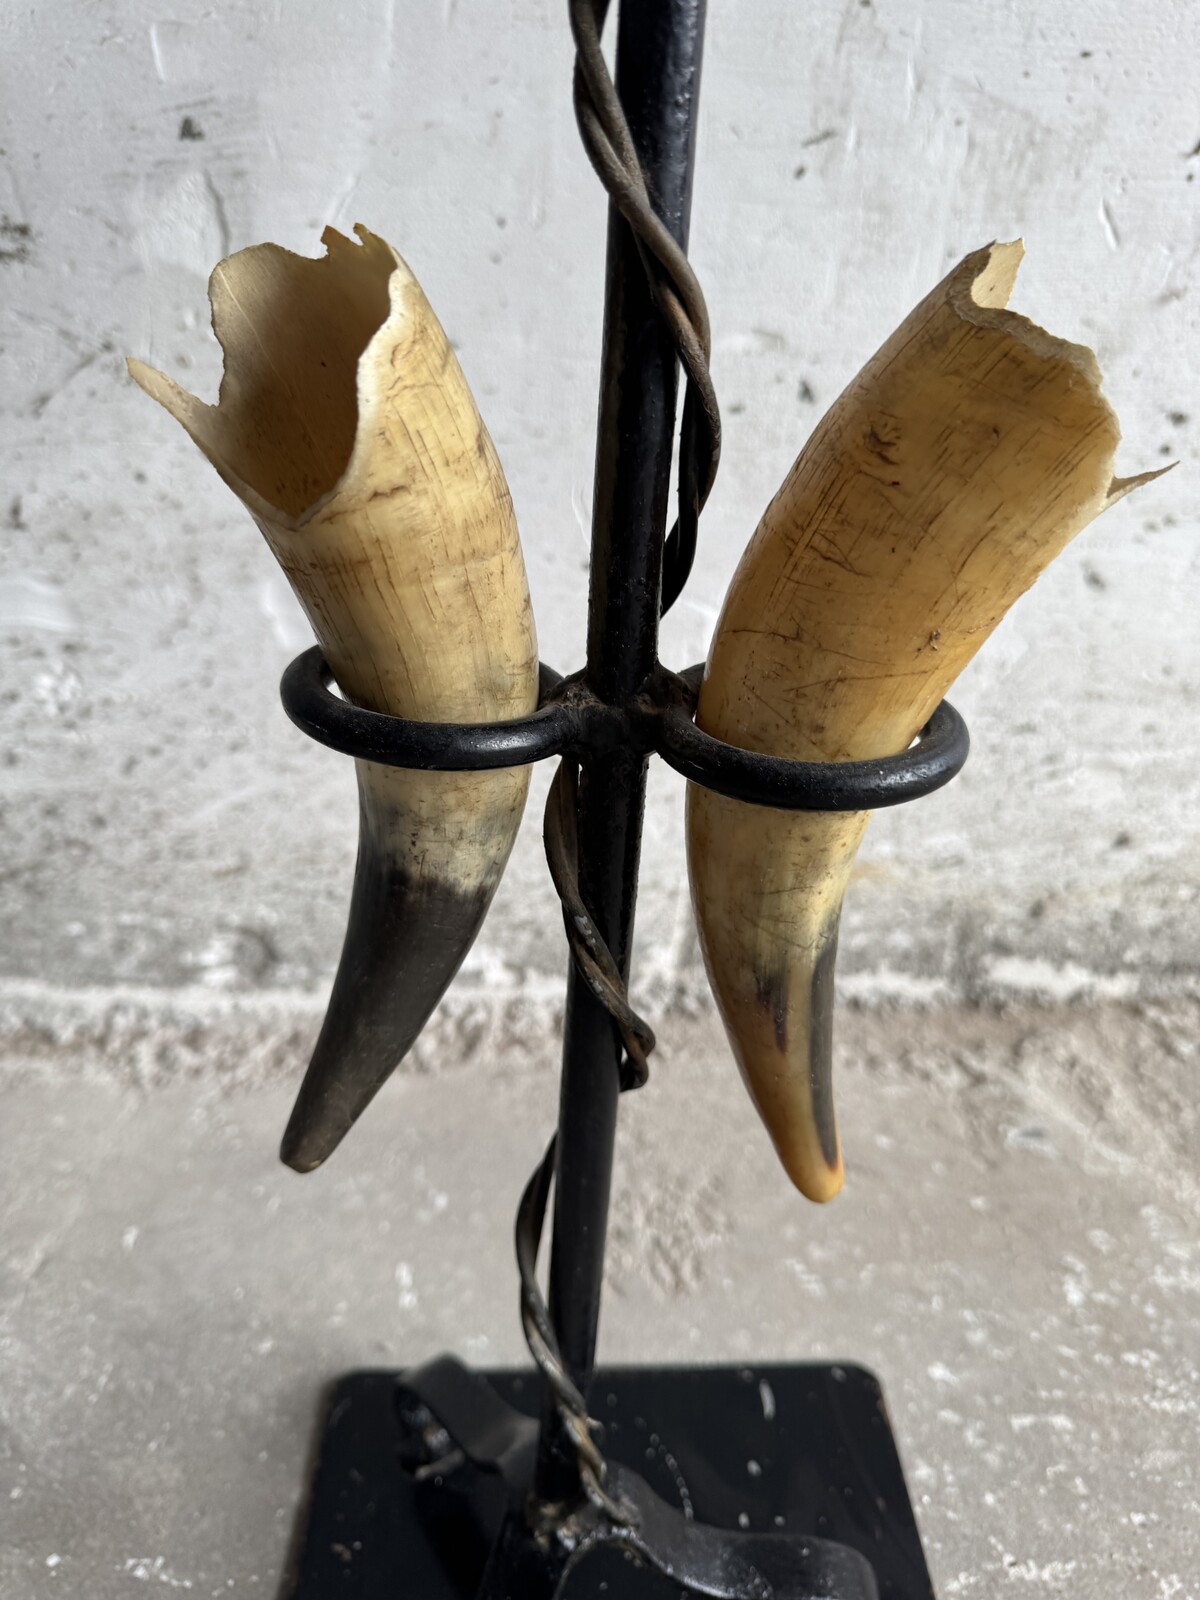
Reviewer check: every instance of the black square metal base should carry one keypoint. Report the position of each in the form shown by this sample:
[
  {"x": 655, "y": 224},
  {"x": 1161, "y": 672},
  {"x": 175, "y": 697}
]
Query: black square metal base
[{"x": 808, "y": 1448}]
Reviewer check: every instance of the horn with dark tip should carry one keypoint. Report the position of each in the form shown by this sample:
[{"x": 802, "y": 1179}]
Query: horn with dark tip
[
  {"x": 955, "y": 467},
  {"x": 346, "y": 426}
]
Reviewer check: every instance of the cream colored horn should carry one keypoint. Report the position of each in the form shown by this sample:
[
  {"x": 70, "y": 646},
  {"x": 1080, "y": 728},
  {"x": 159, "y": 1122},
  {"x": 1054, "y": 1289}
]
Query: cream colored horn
[
  {"x": 955, "y": 467},
  {"x": 346, "y": 426}
]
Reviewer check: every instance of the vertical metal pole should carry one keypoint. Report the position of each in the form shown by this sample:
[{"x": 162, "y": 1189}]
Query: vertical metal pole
[{"x": 658, "y": 78}]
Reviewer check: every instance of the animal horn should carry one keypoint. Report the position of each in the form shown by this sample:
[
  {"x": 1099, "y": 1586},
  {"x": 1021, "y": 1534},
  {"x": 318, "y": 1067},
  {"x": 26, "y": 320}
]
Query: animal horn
[
  {"x": 955, "y": 467},
  {"x": 347, "y": 428}
]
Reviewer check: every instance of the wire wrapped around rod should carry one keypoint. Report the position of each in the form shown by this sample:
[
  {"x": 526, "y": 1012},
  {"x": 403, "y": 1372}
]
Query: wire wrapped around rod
[
  {"x": 674, "y": 286},
  {"x": 592, "y": 956},
  {"x": 679, "y": 300},
  {"x": 600, "y": 971},
  {"x": 543, "y": 1346}
]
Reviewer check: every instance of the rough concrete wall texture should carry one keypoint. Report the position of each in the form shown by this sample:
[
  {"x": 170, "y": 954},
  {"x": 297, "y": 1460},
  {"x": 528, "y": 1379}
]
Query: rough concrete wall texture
[
  {"x": 164, "y": 826},
  {"x": 1016, "y": 1249}
]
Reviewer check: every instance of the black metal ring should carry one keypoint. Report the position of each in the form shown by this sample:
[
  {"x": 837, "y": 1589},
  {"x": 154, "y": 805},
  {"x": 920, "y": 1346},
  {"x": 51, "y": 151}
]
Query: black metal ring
[
  {"x": 425, "y": 746},
  {"x": 941, "y": 749},
  {"x": 575, "y": 722}
]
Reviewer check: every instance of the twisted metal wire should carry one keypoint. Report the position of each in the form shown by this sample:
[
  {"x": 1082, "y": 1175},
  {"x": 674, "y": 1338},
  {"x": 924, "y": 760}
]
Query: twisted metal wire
[
  {"x": 600, "y": 971},
  {"x": 591, "y": 955},
  {"x": 539, "y": 1333},
  {"x": 679, "y": 301},
  {"x": 675, "y": 289}
]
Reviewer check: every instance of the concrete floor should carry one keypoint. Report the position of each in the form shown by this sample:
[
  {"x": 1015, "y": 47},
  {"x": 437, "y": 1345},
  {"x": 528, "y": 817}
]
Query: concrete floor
[{"x": 1016, "y": 1255}]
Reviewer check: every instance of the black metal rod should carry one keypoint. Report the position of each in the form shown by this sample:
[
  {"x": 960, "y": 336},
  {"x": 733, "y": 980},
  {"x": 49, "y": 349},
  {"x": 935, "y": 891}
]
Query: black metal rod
[{"x": 659, "y": 45}]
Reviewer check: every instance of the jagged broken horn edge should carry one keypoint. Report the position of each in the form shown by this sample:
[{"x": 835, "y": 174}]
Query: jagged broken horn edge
[
  {"x": 347, "y": 428},
  {"x": 958, "y": 463}
]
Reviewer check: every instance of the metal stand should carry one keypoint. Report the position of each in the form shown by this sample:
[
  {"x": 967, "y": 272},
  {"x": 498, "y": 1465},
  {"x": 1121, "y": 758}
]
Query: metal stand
[
  {"x": 439, "y": 1483},
  {"x": 794, "y": 1465}
]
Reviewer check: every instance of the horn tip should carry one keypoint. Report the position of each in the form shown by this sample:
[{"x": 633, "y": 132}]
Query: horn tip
[
  {"x": 817, "y": 1181},
  {"x": 304, "y": 1148}
]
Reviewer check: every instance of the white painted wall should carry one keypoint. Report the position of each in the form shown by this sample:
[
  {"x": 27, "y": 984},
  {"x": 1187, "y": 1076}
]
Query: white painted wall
[{"x": 163, "y": 826}]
